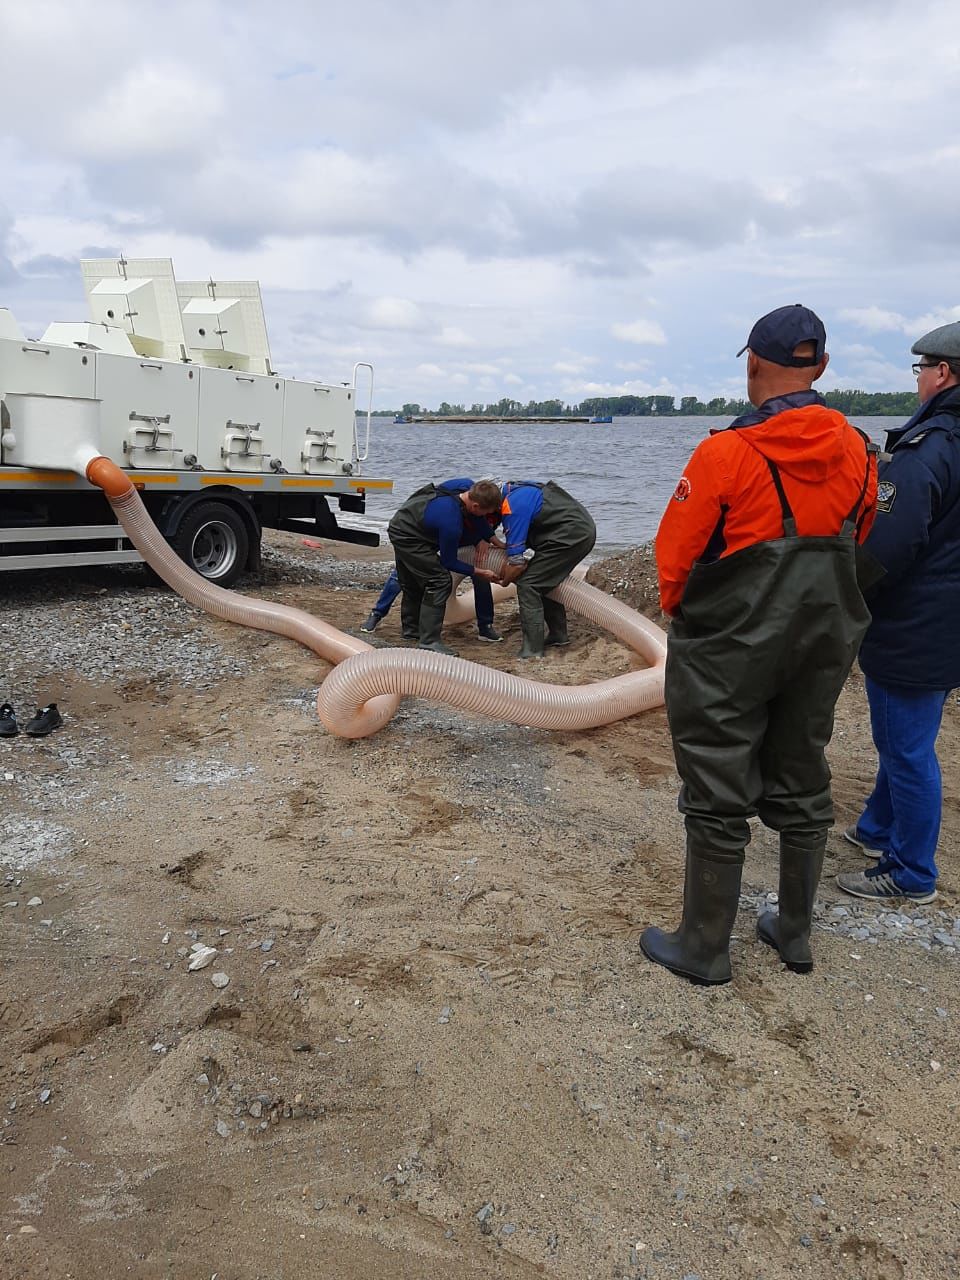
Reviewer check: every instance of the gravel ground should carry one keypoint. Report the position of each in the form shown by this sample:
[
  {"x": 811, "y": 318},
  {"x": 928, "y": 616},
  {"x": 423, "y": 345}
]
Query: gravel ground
[{"x": 425, "y": 1044}]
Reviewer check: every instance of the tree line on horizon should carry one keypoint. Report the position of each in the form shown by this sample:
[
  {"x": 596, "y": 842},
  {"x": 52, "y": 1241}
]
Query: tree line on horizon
[{"x": 864, "y": 404}]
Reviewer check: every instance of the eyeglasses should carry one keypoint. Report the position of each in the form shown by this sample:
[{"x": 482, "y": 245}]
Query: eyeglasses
[{"x": 917, "y": 367}]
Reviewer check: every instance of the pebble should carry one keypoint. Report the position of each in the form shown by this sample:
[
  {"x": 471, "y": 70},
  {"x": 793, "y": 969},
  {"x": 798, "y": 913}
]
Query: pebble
[
  {"x": 219, "y": 980},
  {"x": 267, "y": 945},
  {"x": 932, "y": 928},
  {"x": 45, "y": 1095},
  {"x": 223, "y": 1129},
  {"x": 35, "y": 902},
  {"x": 201, "y": 957},
  {"x": 445, "y": 1015}
]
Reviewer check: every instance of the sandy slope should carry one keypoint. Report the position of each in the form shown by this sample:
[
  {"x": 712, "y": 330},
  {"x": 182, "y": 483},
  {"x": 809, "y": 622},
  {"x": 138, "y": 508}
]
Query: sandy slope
[{"x": 439, "y": 1053}]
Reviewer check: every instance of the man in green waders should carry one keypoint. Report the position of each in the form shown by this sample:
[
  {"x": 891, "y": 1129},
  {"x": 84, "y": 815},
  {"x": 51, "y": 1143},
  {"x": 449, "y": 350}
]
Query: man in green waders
[
  {"x": 547, "y": 534},
  {"x": 757, "y": 555},
  {"x": 426, "y": 532}
]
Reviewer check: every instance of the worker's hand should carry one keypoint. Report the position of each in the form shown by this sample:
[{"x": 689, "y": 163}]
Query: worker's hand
[
  {"x": 511, "y": 572},
  {"x": 487, "y": 574}
]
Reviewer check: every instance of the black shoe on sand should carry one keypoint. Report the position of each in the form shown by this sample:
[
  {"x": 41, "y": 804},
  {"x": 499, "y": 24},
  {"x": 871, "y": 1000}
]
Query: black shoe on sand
[
  {"x": 8, "y": 722},
  {"x": 45, "y": 721}
]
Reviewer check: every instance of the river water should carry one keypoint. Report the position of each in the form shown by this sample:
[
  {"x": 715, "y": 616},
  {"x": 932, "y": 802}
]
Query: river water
[{"x": 623, "y": 472}]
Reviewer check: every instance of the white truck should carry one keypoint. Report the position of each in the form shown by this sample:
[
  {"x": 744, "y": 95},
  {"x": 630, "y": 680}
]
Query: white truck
[{"x": 217, "y": 443}]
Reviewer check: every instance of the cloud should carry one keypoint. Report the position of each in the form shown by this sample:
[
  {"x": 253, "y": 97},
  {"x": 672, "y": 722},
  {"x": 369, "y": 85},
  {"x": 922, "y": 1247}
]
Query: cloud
[
  {"x": 495, "y": 187},
  {"x": 154, "y": 110},
  {"x": 451, "y": 335},
  {"x": 8, "y": 272},
  {"x": 642, "y": 332},
  {"x": 396, "y": 313},
  {"x": 874, "y": 319}
]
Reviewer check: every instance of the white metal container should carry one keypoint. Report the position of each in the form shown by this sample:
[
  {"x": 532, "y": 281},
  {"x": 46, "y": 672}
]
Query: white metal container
[
  {"x": 242, "y": 420},
  {"x": 318, "y": 424},
  {"x": 51, "y": 432},
  {"x": 150, "y": 411},
  {"x": 44, "y": 369}
]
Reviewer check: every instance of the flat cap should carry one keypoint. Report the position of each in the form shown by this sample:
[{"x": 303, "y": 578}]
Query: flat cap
[{"x": 944, "y": 341}]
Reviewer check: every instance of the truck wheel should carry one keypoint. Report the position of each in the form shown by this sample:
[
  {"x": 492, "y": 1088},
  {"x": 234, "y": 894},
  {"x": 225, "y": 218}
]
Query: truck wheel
[{"x": 213, "y": 540}]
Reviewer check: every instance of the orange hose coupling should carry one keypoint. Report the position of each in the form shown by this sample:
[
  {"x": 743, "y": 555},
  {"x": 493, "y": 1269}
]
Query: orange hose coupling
[{"x": 106, "y": 475}]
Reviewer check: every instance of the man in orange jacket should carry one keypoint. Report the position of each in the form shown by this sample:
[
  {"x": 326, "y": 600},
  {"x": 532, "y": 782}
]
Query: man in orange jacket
[{"x": 758, "y": 557}]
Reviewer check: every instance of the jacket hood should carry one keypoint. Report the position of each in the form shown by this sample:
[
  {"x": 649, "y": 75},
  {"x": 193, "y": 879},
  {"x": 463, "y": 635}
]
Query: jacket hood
[{"x": 798, "y": 433}]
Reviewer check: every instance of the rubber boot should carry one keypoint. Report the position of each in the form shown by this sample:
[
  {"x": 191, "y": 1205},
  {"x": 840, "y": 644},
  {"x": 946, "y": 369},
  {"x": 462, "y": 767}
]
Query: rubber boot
[
  {"x": 531, "y": 624},
  {"x": 556, "y": 619},
  {"x": 700, "y": 948},
  {"x": 801, "y": 862},
  {"x": 431, "y": 622},
  {"x": 409, "y": 617}
]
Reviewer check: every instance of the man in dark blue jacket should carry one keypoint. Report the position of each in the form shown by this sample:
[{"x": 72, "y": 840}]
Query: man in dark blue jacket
[
  {"x": 911, "y": 653},
  {"x": 426, "y": 532}
]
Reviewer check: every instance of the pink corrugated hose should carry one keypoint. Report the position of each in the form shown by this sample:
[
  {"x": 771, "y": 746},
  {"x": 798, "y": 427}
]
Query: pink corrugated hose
[{"x": 363, "y": 691}]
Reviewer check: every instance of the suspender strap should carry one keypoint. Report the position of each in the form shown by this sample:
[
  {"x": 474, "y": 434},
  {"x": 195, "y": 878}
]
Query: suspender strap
[
  {"x": 789, "y": 523},
  {"x": 852, "y": 522}
]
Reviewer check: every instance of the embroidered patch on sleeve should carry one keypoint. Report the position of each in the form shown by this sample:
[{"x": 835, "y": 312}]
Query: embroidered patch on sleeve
[
  {"x": 682, "y": 491},
  {"x": 886, "y": 495}
]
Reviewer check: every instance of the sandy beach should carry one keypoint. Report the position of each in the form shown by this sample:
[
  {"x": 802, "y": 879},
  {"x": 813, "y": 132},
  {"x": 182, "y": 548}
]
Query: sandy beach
[{"x": 427, "y": 1046}]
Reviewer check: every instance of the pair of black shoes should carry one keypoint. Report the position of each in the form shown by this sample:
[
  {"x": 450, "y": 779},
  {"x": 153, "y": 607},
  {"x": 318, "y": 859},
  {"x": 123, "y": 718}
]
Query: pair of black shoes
[{"x": 45, "y": 721}]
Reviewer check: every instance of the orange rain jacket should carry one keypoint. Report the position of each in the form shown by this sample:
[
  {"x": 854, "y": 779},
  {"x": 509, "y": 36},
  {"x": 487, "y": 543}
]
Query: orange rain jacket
[{"x": 726, "y": 499}]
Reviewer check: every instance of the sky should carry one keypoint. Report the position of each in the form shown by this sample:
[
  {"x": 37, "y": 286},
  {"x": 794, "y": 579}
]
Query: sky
[{"x": 499, "y": 199}]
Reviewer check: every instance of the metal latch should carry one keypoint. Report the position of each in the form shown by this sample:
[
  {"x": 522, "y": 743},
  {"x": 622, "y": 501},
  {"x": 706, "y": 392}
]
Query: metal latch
[
  {"x": 246, "y": 435},
  {"x": 327, "y": 446},
  {"x": 155, "y": 423}
]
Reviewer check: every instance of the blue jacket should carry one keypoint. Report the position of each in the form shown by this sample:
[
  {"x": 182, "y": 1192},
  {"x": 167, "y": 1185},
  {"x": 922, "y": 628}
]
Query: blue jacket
[
  {"x": 449, "y": 521},
  {"x": 522, "y": 503},
  {"x": 913, "y": 641}
]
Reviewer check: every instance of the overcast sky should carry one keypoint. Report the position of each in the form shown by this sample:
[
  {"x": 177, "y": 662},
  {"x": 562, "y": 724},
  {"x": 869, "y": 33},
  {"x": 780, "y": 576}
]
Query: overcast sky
[{"x": 503, "y": 198}]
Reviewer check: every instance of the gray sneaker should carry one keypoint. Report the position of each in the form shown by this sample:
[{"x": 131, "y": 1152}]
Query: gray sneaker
[
  {"x": 879, "y": 886},
  {"x": 490, "y": 634},
  {"x": 370, "y": 623},
  {"x": 851, "y": 835}
]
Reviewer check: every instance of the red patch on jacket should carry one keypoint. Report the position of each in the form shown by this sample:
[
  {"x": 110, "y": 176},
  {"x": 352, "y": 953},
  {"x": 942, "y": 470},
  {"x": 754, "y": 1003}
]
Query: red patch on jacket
[{"x": 682, "y": 491}]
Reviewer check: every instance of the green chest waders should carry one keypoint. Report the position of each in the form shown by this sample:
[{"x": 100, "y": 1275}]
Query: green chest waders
[
  {"x": 561, "y": 534},
  {"x": 426, "y": 583},
  {"x": 756, "y": 660}
]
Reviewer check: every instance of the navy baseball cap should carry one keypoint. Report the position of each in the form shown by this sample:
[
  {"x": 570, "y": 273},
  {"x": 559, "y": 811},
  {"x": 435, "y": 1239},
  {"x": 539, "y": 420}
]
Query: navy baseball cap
[{"x": 776, "y": 336}]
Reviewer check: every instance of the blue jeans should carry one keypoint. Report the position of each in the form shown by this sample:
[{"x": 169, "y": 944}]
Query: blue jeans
[
  {"x": 482, "y": 595},
  {"x": 902, "y": 816},
  {"x": 391, "y": 589}
]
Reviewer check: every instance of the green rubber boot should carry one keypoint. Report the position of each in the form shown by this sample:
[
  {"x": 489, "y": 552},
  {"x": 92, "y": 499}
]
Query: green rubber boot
[
  {"x": 555, "y": 616},
  {"x": 531, "y": 624},
  {"x": 788, "y": 930},
  {"x": 700, "y": 948}
]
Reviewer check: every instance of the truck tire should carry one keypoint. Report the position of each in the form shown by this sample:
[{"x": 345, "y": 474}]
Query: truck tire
[{"x": 213, "y": 540}]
